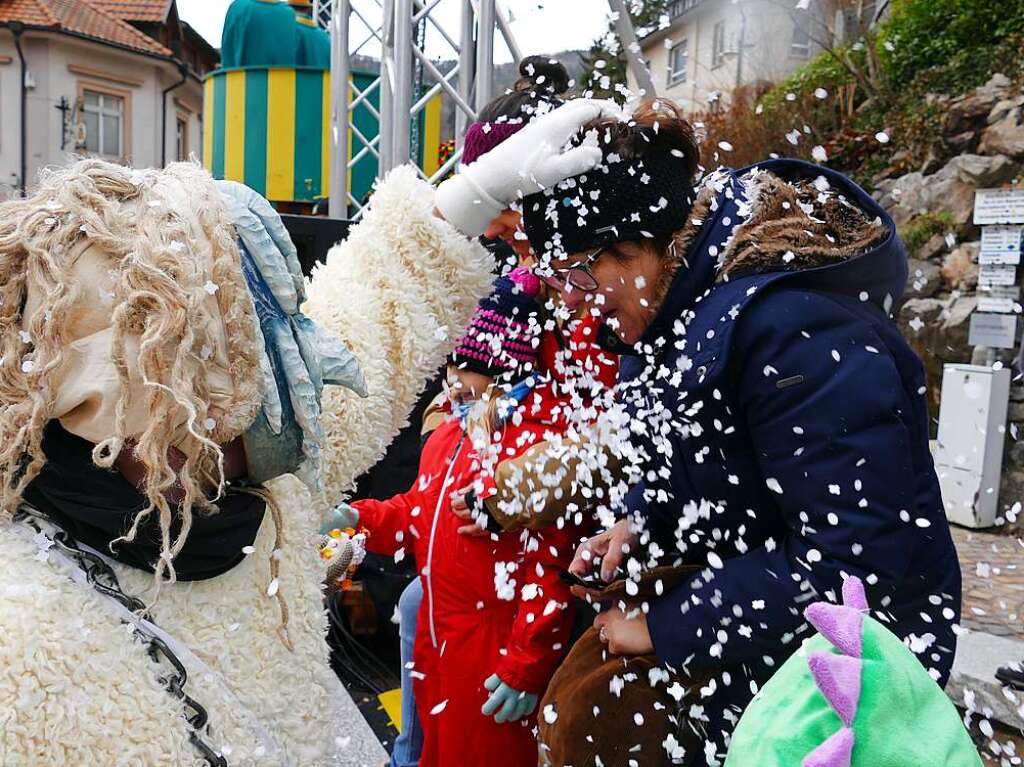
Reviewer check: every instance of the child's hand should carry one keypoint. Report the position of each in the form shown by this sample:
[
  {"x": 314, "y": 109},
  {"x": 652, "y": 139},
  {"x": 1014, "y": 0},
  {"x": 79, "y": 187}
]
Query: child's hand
[
  {"x": 341, "y": 517},
  {"x": 510, "y": 704}
]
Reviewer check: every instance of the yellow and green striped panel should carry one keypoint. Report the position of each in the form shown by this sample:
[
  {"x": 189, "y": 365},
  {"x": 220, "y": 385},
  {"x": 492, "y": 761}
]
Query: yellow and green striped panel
[{"x": 269, "y": 128}]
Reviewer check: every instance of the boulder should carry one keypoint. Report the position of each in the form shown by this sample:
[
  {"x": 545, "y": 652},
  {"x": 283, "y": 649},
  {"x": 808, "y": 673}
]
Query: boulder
[
  {"x": 963, "y": 142},
  {"x": 1005, "y": 136},
  {"x": 1003, "y": 108},
  {"x": 937, "y": 330},
  {"x": 960, "y": 267},
  {"x": 969, "y": 112},
  {"x": 951, "y": 189},
  {"x": 979, "y": 170},
  {"x": 903, "y": 197},
  {"x": 924, "y": 278},
  {"x": 932, "y": 249}
]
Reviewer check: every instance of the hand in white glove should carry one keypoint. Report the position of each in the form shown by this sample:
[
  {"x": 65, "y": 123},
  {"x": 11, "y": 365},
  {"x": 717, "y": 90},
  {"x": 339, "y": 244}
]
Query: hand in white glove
[{"x": 533, "y": 159}]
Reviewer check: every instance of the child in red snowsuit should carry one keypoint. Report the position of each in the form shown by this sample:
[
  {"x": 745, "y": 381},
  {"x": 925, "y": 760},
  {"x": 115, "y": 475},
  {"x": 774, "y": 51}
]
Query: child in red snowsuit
[{"x": 493, "y": 606}]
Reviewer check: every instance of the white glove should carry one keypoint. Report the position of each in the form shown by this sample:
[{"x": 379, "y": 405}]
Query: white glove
[{"x": 533, "y": 159}]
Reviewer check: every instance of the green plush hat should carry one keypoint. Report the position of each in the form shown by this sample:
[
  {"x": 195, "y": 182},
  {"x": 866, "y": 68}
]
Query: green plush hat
[{"x": 853, "y": 696}]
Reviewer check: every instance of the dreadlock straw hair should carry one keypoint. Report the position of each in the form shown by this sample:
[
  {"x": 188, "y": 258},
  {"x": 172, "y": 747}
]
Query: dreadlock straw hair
[{"x": 165, "y": 237}]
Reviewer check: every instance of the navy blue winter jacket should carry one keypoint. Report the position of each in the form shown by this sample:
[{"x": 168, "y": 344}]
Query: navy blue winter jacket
[{"x": 798, "y": 452}]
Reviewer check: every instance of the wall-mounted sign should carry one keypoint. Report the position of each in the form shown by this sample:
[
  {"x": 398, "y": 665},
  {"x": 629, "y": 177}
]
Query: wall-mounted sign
[
  {"x": 999, "y": 206},
  {"x": 998, "y": 331},
  {"x": 999, "y": 257},
  {"x": 997, "y": 274},
  {"x": 1001, "y": 239},
  {"x": 1001, "y": 304}
]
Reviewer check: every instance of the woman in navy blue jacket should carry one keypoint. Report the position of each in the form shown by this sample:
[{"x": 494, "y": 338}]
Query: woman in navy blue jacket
[{"x": 779, "y": 417}]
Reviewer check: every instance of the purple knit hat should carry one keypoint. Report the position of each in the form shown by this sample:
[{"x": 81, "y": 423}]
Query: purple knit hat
[
  {"x": 481, "y": 138},
  {"x": 504, "y": 334}
]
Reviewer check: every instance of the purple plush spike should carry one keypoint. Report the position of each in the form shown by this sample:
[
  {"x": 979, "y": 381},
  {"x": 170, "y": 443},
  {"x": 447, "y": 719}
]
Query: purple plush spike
[
  {"x": 842, "y": 626},
  {"x": 837, "y": 751},
  {"x": 853, "y": 594},
  {"x": 838, "y": 678}
]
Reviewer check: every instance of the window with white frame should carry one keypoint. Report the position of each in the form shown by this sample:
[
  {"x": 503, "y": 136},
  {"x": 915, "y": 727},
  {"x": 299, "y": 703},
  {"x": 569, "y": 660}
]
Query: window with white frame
[
  {"x": 718, "y": 45},
  {"x": 678, "y": 61},
  {"x": 181, "y": 138},
  {"x": 800, "y": 47},
  {"x": 103, "y": 116}
]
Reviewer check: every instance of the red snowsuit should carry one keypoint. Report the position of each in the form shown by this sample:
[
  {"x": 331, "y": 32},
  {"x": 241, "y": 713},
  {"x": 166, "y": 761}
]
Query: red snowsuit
[{"x": 491, "y": 605}]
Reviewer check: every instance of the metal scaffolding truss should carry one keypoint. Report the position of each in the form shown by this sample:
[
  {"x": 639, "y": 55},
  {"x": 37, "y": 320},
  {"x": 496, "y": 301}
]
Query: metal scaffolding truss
[{"x": 395, "y": 30}]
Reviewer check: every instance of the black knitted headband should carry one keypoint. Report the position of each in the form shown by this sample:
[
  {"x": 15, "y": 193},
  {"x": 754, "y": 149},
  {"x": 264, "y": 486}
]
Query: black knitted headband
[{"x": 617, "y": 201}]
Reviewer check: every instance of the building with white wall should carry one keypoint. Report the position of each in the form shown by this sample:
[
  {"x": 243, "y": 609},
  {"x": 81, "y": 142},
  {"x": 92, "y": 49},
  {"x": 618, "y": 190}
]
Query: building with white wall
[
  {"x": 710, "y": 47},
  {"x": 119, "y": 79}
]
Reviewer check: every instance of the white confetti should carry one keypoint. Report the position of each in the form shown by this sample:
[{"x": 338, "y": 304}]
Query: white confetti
[
  {"x": 882, "y": 137},
  {"x": 273, "y": 587},
  {"x": 211, "y": 287},
  {"x": 773, "y": 485},
  {"x": 439, "y": 708},
  {"x": 819, "y": 154}
]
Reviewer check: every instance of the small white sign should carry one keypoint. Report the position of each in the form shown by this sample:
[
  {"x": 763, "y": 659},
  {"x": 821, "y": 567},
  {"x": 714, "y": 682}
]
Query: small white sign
[
  {"x": 1000, "y": 291},
  {"x": 999, "y": 206},
  {"x": 998, "y": 298},
  {"x": 998, "y": 258},
  {"x": 997, "y": 274},
  {"x": 998, "y": 331},
  {"x": 992, "y": 304},
  {"x": 1001, "y": 239}
]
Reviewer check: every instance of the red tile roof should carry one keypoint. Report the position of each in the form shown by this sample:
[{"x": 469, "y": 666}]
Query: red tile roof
[
  {"x": 83, "y": 17},
  {"x": 136, "y": 10}
]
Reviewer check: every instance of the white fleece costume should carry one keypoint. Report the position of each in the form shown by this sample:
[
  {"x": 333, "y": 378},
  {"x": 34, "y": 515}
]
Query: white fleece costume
[{"x": 77, "y": 689}]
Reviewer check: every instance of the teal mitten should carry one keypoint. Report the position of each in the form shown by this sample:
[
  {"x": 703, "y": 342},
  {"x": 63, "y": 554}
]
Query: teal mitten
[
  {"x": 510, "y": 704},
  {"x": 342, "y": 516}
]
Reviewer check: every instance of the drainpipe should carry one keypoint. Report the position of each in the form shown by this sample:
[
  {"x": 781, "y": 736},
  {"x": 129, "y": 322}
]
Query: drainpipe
[
  {"x": 183, "y": 71},
  {"x": 17, "y": 28}
]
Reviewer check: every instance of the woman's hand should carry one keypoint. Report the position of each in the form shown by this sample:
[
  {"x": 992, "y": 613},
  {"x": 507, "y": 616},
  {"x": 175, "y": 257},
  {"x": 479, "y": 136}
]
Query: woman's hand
[
  {"x": 611, "y": 546},
  {"x": 624, "y": 634},
  {"x": 460, "y": 508}
]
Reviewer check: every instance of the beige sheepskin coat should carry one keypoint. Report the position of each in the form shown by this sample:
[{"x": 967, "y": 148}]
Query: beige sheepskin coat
[{"x": 77, "y": 689}]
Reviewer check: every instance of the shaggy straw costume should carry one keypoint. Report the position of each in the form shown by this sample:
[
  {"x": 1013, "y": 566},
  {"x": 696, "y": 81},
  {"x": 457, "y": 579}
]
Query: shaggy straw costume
[
  {"x": 180, "y": 339},
  {"x": 102, "y": 275}
]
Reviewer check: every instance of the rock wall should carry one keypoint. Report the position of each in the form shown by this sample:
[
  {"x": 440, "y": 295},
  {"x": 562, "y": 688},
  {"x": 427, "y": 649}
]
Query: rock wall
[{"x": 933, "y": 207}]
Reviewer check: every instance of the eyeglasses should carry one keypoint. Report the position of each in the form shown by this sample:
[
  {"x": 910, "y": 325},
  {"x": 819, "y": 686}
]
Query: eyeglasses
[{"x": 579, "y": 276}]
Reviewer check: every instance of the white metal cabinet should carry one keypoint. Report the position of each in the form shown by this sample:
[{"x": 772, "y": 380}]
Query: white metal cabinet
[{"x": 969, "y": 453}]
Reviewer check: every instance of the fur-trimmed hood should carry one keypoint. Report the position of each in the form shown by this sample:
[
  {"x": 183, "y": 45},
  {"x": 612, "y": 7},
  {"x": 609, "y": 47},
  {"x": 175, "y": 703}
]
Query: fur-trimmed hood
[{"x": 778, "y": 220}]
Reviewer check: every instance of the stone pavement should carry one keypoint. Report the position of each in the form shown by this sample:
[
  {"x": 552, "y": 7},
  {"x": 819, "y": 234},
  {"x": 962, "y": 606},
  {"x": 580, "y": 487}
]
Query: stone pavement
[
  {"x": 993, "y": 613},
  {"x": 993, "y": 589}
]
